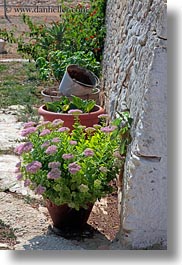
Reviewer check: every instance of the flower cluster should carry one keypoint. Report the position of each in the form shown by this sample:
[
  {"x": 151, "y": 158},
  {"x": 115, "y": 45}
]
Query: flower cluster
[{"x": 66, "y": 167}]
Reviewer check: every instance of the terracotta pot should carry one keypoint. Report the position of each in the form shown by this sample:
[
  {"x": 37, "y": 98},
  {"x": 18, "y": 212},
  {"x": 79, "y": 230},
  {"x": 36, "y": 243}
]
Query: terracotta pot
[
  {"x": 86, "y": 119},
  {"x": 66, "y": 217},
  {"x": 95, "y": 95},
  {"x": 50, "y": 96}
]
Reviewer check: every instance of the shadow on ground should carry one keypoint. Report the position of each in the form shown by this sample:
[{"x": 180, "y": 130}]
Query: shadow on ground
[{"x": 88, "y": 239}]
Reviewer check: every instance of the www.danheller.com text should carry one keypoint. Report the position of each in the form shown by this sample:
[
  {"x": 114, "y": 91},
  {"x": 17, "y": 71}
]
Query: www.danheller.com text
[{"x": 40, "y": 9}]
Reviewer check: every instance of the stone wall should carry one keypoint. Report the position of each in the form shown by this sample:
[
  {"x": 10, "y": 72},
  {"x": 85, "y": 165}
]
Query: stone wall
[{"x": 134, "y": 78}]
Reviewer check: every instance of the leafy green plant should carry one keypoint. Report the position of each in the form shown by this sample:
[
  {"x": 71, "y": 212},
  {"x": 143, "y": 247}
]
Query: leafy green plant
[
  {"x": 65, "y": 105},
  {"x": 77, "y": 38},
  {"x": 57, "y": 62},
  {"x": 123, "y": 122},
  {"x": 86, "y": 30},
  {"x": 39, "y": 40},
  {"x": 69, "y": 168}
]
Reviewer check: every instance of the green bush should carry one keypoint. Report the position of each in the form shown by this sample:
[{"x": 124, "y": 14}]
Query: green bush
[
  {"x": 78, "y": 37},
  {"x": 57, "y": 62}
]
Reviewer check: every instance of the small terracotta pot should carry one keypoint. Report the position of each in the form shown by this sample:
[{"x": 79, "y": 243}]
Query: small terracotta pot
[
  {"x": 50, "y": 96},
  {"x": 95, "y": 95},
  {"x": 65, "y": 217},
  {"x": 86, "y": 119}
]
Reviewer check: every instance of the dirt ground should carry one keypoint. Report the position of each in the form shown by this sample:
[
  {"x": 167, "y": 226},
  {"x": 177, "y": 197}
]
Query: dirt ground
[
  {"x": 105, "y": 218},
  {"x": 106, "y": 222}
]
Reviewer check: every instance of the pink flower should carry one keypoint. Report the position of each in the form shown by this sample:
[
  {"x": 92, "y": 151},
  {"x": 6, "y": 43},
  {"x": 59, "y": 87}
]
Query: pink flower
[
  {"x": 45, "y": 144},
  {"x": 108, "y": 129},
  {"x": 87, "y": 6},
  {"x": 29, "y": 124},
  {"x": 88, "y": 152},
  {"x": 45, "y": 132},
  {"x": 67, "y": 156},
  {"x": 56, "y": 140},
  {"x": 23, "y": 148},
  {"x": 90, "y": 130},
  {"x": 27, "y": 182},
  {"x": 73, "y": 168},
  {"x": 75, "y": 111},
  {"x": 55, "y": 173},
  {"x": 51, "y": 150},
  {"x": 103, "y": 116},
  {"x": 57, "y": 122},
  {"x": 54, "y": 164},
  {"x": 33, "y": 167},
  {"x": 63, "y": 129},
  {"x": 19, "y": 177},
  {"x": 18, "y": 164},
  {"x": 27, "y": 147},
  {"x": 28, "y": 131},
  {"x": 73, "y": 142},
  {"x": 17, "y": 170},
  {"x": 40, "y": 189}
]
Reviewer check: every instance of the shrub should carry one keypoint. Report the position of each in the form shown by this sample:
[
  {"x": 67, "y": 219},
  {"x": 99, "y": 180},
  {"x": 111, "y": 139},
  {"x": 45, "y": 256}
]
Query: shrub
[
  {"x": 70, "y": 168},
  {"x": 78, "y": 37}
]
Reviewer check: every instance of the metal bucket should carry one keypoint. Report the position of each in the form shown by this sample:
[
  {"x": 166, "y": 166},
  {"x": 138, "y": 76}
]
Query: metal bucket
[{"x": 77, "y": 81}]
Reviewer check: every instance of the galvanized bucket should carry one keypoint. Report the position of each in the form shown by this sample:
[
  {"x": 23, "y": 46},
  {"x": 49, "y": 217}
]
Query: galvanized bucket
[{"x": 77, "y": 81}]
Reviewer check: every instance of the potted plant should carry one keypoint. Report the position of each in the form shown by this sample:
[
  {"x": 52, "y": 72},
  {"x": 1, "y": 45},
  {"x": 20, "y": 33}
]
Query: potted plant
[
  {"x": 70, "y": 170},
  {"x": 77, "y": 80},
  {"x": 87, "y": 111}
]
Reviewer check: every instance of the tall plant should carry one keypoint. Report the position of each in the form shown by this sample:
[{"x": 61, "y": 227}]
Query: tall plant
[{"x": 86, "y": 30}]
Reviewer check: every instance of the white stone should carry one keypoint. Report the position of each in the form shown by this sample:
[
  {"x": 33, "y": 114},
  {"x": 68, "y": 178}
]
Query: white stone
[
  {"x": 141, "y": 87},
  {"x": 2, "y": 45},
  {"x": 145, "y": 187}
]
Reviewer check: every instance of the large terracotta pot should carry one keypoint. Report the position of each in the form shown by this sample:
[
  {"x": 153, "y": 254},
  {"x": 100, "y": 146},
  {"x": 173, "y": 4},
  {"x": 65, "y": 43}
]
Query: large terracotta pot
[
  {"x": 64, "y": 217},
  {"x": 86, "y": 119}
]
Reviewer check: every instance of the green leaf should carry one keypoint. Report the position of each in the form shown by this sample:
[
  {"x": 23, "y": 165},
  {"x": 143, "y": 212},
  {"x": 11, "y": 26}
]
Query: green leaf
[{"x": 65, "y": 108}]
